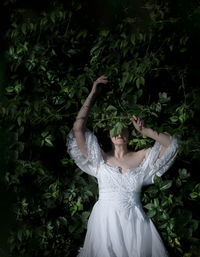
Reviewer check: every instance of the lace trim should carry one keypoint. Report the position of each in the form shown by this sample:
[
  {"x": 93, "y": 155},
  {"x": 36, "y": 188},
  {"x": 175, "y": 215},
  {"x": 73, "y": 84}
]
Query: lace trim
[
  {"x": 90, "y": 163},
  {"x": 129, "y": 169},
  {"x": 154, "y": 150},
  {"x": 80, "y": 251},
  {"x": 158, "y": 166}
]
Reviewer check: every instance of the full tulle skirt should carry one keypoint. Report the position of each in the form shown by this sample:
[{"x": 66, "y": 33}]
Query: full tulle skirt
[{"x": 121, "y": 232}]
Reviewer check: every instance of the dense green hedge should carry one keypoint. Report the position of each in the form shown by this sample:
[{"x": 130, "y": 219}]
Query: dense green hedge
[{"x": 54, "y": 52}]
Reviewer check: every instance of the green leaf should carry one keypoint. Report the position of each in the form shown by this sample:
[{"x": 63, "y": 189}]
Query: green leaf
[
  {"x": 139, "y": 93},
  {"x": 19, "y": 235},
  {"x": 52, "y": 17},
  {"x": 149, "y": 206},
  {"x": 72, "y": 227},
  {"x": 85, "y": 215},
  {"x": 166, "y": 184},
  {"x": 156, "y": 202},
  {"x": 165, "y": 216},
  {"x": 45, "y": 133},
  {"x": 157, "y": 180},
  {"x": 111, "y": 108},
  {"x": 194, "y": 195},
  {"x": 19, "y": 120},
  {"x": 79, "y": 204},
  {"x": 142, "y": 81},
  {"x": 133, "y": 38},
  {"x": 151, "y": 213},
  {"x": 48, "y": 141},
  {"x": 124, "y": 79},
  {"x": 174, "y": 118},
  {"x": 194, "y": 224},
  {"x": 23, "y": 28},
  {"x": 74, "y": 209},
  {"x": 117, "y": 129},
  {"x": 183, "y": 174},
  {"x": 141, "y": 36},
  {"x": 138, "y": 83},
  {"x": 21, "y": 147},
  {"x": 47, "y": 195},
  {"x": 18, "y": 88},
  {"x": 11, "y": 50},
  {"x": 164, "y": 225},
  {"x": 104, "y": 33},
  {"x": 63, "y": 221},
  {"x": 10, "y": 89}
]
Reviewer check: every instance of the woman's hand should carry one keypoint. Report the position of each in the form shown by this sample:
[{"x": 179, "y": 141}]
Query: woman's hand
[
  {"x": 101, "y": 80},
  {"x": 138, "y": 123}
]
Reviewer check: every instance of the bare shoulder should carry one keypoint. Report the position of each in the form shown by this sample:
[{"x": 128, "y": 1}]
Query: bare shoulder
[{"x": 143, "y": 152}]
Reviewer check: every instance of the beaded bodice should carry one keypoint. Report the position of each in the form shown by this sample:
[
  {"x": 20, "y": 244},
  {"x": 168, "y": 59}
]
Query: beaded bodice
[{"x": 114, "y": 186}]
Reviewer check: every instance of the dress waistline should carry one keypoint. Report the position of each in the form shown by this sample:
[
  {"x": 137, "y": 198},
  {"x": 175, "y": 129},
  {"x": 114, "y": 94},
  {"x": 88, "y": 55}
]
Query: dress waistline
[{"x": 121, "y": 198}]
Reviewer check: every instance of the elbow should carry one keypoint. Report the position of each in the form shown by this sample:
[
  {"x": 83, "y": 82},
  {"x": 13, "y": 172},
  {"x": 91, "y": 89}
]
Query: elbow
[
  {"x": 167, "y": 145},
  {"x": 78, "y": 127},
  {"x": 168, "y": 140}
]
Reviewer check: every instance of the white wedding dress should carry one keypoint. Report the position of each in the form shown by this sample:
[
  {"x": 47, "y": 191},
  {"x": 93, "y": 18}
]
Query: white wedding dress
[{"x": 118, "y": 225}]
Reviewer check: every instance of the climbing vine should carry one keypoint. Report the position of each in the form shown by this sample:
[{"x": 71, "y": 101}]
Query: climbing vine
[{"x": 54, "y": 52}]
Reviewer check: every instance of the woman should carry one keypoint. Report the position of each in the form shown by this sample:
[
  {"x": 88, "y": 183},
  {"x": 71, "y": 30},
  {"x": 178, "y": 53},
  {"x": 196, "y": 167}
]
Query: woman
[{"x": 118, "y": 226}]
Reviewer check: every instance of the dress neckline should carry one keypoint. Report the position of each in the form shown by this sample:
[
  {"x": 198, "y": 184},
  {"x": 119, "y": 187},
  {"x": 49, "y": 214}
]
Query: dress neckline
[{"x": 116, "y": 168}]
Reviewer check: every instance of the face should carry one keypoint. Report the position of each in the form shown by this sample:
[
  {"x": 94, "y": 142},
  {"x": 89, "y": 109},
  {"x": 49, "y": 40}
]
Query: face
[{"x": 122, "y": 138}]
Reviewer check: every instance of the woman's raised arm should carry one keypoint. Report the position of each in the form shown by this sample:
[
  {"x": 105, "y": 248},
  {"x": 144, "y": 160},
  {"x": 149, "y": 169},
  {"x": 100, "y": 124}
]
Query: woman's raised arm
[{"x": 81, "y": 119}]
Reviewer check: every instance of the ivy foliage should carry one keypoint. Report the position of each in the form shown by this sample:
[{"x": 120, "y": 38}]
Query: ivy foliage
[{"x": 54, "y": 52}]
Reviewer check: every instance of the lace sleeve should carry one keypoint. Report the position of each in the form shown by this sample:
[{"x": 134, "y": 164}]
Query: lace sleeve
[
  {"x": 90, "y": 165},
  {"x": 158, "y": 166}
]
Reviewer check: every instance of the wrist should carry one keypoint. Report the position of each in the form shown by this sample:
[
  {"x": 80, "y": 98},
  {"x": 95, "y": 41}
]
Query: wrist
[
  {"x": 92, "y": 94},
  {"x": 149, "y": 132},
  {"x": 146, "y": 131}
]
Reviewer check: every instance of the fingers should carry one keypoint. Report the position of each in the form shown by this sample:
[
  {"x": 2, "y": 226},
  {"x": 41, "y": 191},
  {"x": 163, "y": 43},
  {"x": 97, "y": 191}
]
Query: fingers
[
  {"x": 102, "y": 79},
  {"x": 134, "y": 118},
  {"x": 137, "y": 120},
  {"x": 103, "y": 76}
]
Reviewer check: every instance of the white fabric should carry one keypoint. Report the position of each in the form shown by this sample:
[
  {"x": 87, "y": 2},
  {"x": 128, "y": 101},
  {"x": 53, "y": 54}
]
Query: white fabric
[{"x": 118, "y": 225}]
